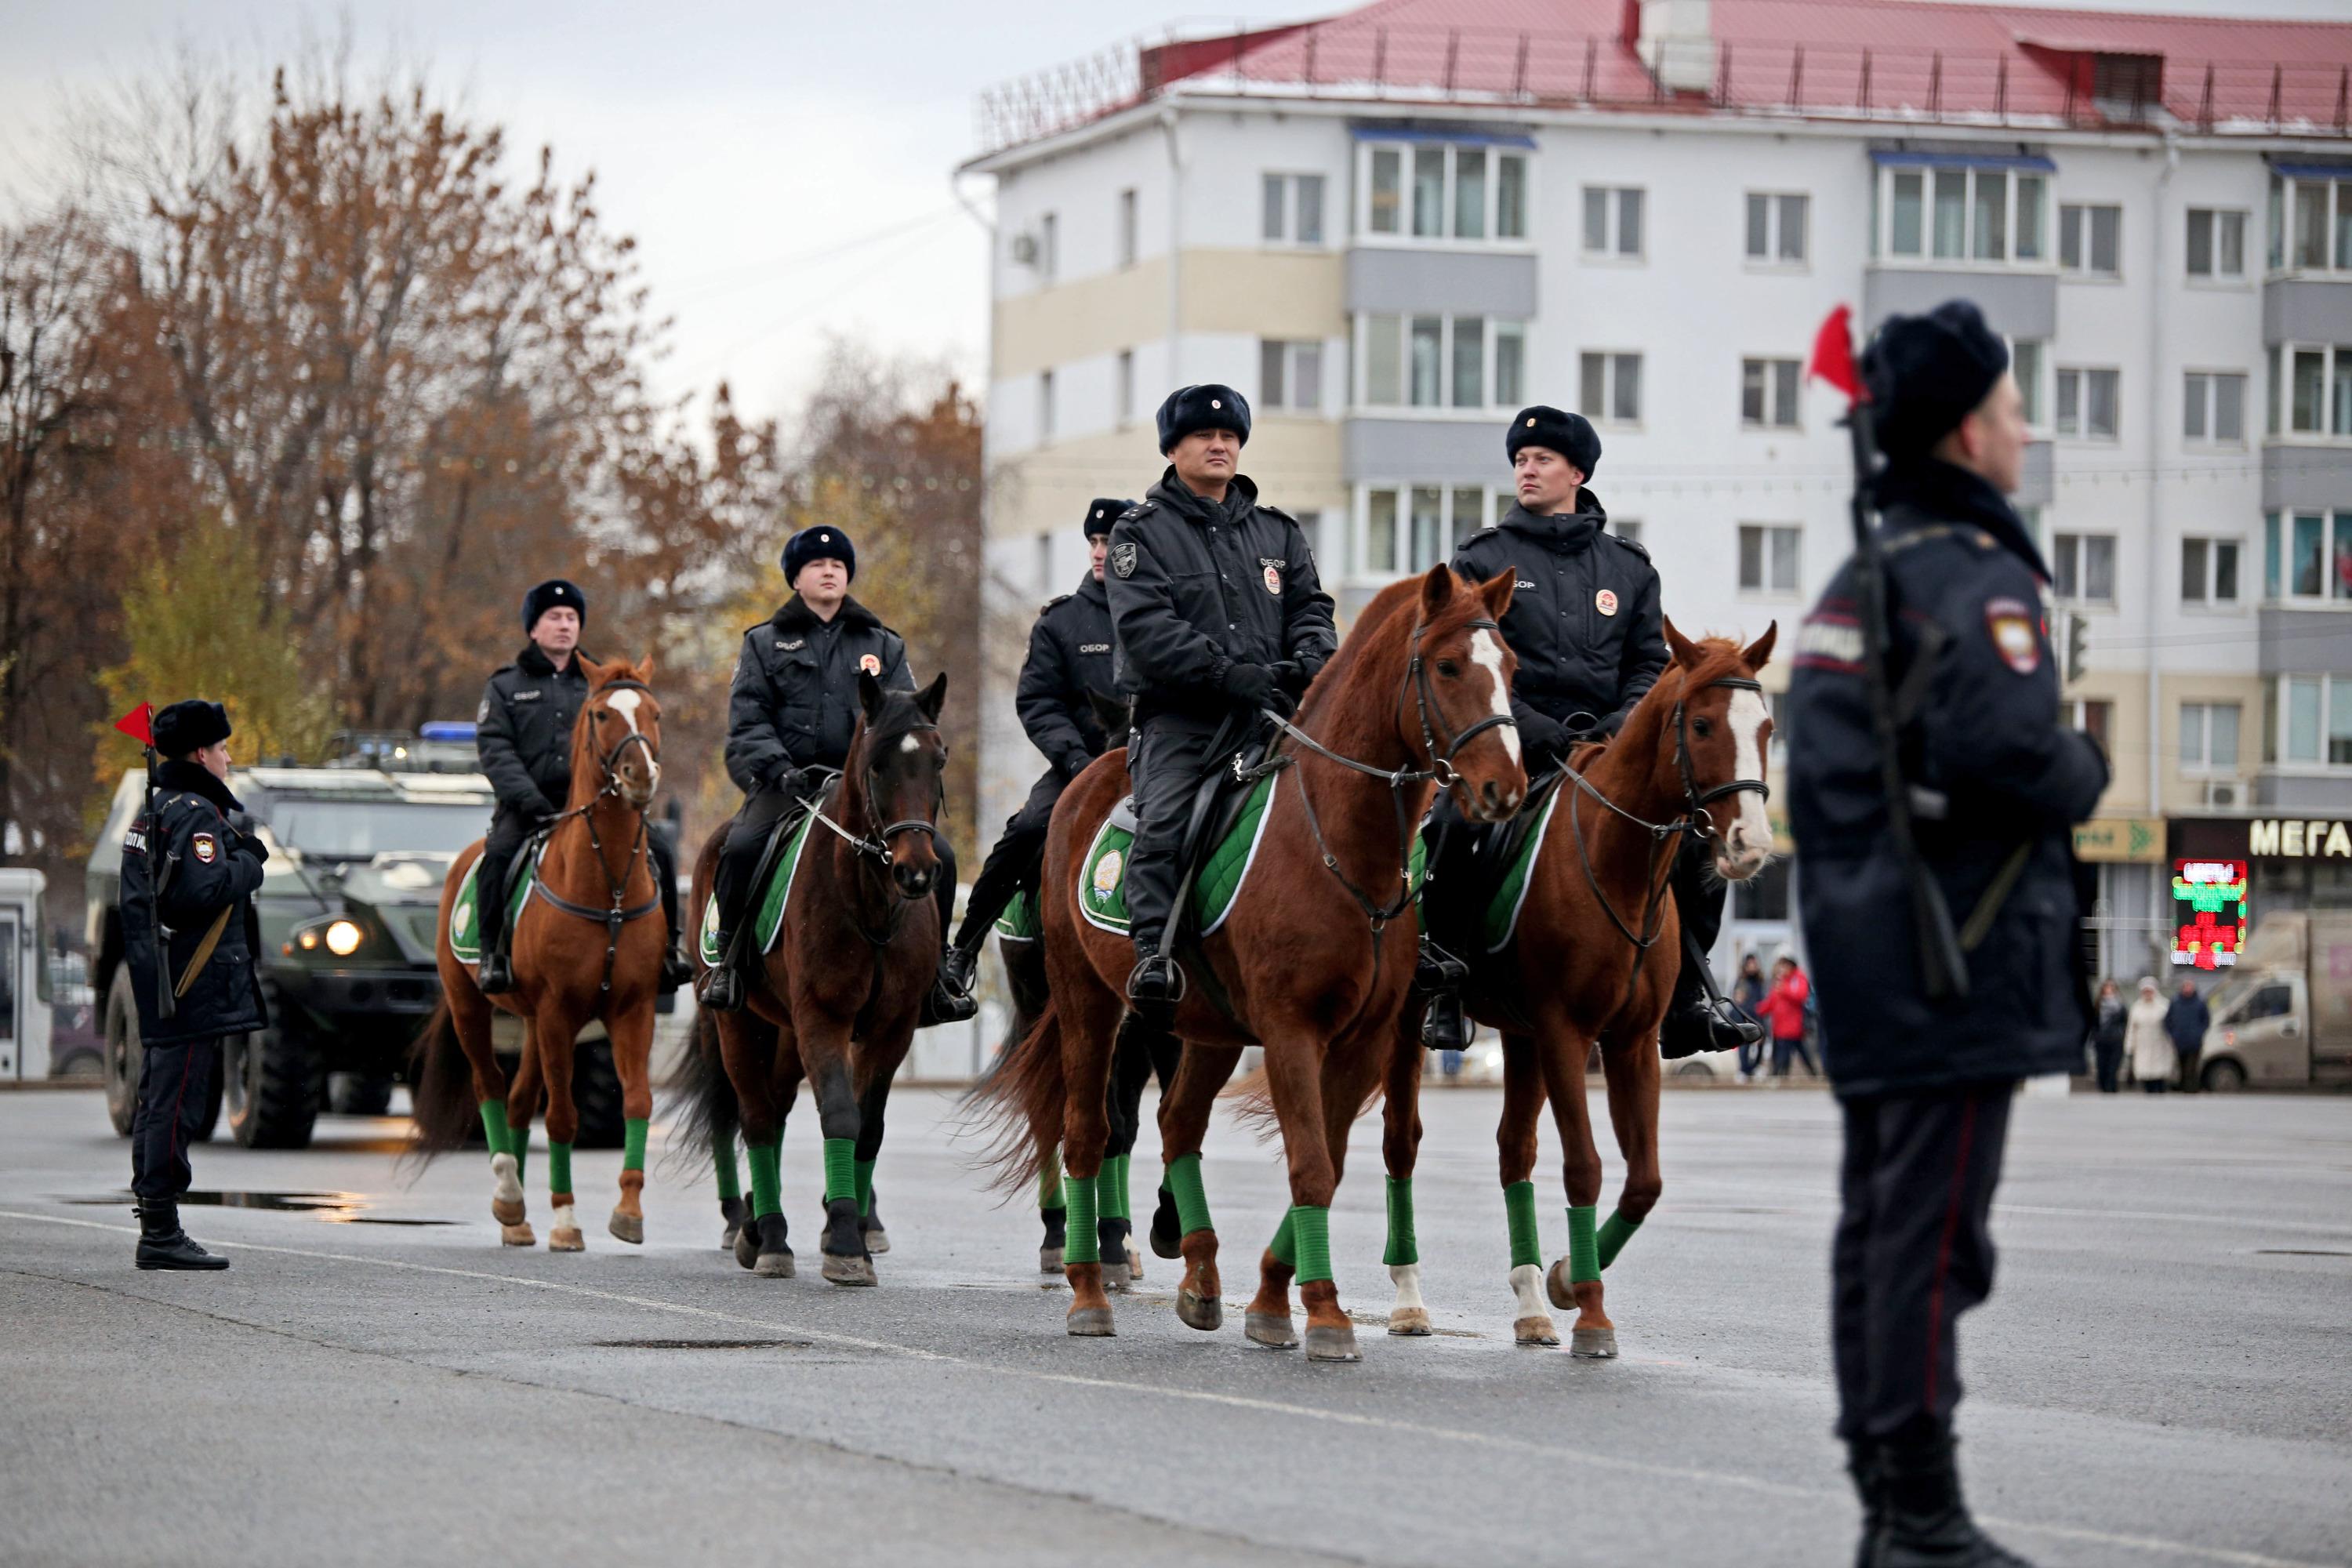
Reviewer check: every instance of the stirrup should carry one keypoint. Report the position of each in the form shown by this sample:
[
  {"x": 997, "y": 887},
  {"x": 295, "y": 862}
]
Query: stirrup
[
  {"x": 1435, "y": 969},
  {"x": 1155, "y": 986},
  {"x": 1443, "y": 1024},
  {"x": 721, "y": 986},
  {"x": 947, "y": 1003},
  {"x": 495, "y": 975}
]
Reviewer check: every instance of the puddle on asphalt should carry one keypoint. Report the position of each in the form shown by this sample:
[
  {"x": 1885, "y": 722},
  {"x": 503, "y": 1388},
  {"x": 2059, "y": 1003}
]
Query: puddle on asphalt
[
  {"x": 2298, "y": 1252},
  {"x": 699, "y": 1344},
  {"x": 334, "y": 1208}
]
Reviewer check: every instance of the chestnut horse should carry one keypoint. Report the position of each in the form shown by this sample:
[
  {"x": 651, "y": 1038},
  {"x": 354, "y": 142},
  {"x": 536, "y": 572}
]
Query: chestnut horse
[
  {"x": 1312, "y": 960},
  {"x": 1593, "y": 960},
  {"x": 587, "y": 946},
  {"x": 838, "y": 995}
]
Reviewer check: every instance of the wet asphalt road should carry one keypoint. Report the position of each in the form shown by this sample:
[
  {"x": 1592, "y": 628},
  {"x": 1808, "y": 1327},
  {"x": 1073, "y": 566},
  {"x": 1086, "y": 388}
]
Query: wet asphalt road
[{"x": 2163, "y": 1376}]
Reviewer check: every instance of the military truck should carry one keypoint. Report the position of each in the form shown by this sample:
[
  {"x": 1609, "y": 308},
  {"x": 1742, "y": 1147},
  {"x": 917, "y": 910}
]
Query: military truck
[
  {"x": 358, "y": 850},
  {"x": 2284, "y": 1017}
]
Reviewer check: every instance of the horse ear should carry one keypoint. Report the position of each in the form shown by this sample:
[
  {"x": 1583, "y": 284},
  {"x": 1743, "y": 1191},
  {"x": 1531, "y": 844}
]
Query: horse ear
[
  {"x": 1759, "y": 653},
  {"x": 933, "y": 697},
  {"x": 870, "y": 695},
  {"x": 1436, "y": 591},
  {"x": 1497, "y": 590},
  {"x": 645, "y": 669},
  {"x": 590, "y": 669},
  {"x": 1686, "y": 651}
]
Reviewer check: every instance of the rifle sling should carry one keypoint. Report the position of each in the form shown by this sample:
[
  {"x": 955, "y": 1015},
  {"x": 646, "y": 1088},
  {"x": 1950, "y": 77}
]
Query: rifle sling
[
  {"x": 204, "y": 950},
  {"x": 1995, "y": 894}
]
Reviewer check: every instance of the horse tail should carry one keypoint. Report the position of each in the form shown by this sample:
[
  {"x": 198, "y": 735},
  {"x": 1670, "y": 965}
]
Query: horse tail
[
  {"x": 707, "y": 1115},
  {"x": 1018, "y": 1103},
  {"x": 1253, "y": 1103},
  {"x": 440, "y": 1090}
]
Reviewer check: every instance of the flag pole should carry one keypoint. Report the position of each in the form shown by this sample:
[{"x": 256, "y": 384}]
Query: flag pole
[{"x": 139, "y": 724}]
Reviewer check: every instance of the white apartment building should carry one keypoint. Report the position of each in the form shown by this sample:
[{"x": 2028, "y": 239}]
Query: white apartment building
[{"x": 1392, "y": 228}]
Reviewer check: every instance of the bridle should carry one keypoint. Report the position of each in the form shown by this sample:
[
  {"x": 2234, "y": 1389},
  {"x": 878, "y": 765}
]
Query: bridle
[
  {"x": 877, "y": 848},
  {"x": 620, "y": 913}
]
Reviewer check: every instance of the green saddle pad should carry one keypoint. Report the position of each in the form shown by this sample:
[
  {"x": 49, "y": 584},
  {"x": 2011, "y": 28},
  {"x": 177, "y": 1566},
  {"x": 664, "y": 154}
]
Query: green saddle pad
[
  {"x": 1019, "y": 921},
  {"x": 1503, "y": 911},
  {"x": 770, "y": 919},
  {"x": 465, "y": 930},
  {"x": 1102, "y": 873}
]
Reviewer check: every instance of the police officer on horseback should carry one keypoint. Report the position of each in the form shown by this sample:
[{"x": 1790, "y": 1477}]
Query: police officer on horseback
[
  {"x": 1218, "y": 614},
  {"x": 523, "y": 736},
  {"x": 1940, "y": 918},
  {"x": 792, "y": 712},
  {"x": 1586, "y": 624},
  {"x": 1068, "y": 666}
]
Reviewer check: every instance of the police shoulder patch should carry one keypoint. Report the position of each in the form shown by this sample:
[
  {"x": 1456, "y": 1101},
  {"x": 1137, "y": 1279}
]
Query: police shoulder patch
[
  {"x": 2011, "y": 624},
  {"x": 205, "y": 849},
  {"x": 1123, "y": 556}
]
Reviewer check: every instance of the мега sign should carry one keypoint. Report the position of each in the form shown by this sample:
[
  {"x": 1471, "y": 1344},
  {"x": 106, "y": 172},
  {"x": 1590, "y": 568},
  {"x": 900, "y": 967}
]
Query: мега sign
[{"x": 2278, "y": 839}]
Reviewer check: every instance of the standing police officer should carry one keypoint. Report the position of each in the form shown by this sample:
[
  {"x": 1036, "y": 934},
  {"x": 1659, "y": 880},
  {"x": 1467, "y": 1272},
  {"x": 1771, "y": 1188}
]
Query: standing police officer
[
  {"x": 189, "y": 871},
  {"x": 1586, "y": 624},
  {"x": 1996, "y": 783},
  {"x": 794, "y": 706},
  {"x": 523, "y": 736},
  {"x": 1068, "y": 666},
  {"x": 1218, "y": 614}
]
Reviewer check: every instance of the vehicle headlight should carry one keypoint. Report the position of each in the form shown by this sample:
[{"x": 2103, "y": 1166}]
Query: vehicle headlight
[{"x": 343, "y": 938}]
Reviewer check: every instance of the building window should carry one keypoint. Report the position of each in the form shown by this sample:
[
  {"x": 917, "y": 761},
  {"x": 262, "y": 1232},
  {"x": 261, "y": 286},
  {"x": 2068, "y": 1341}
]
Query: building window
[
  {"x": 1510, "y": 364},
  {"x": 2208, "y": 570},
  {"x": 1127, "y": 230},
  {"x": 1768, "y": 393},
  {"x": 1612, "y": 388},
  {"x": 1045, "y": 563},
  {"x": 2311, "y": 225},
  {"x": 1049, "y": 246},
  {"x": 2082, "y": 567},
  {"x": 2217, "y": 243},
  {"x": 2213, "y": 408},
  {"x": 2308, "y": 722},
  {"x": 1290, "y": 374},
  {"x": 1626, "y": 528},
  {"x": 2086, "y": 403},
  {"x": 1469, "y": 194},
  {"x": 2317, "y": 396},
  {"x": 1612, "y": 221},
  {"x": 1293, "y": 209},
  {"x": 2095, "y": 717},
  {"x": 1126, "y": 386},
  {"x": 1768, "y": 559},
  {"x": 1044, "y": 405},
  {"x": 2209, "y": 737},
  {"x": 1412, "y": 527},
  {"x": 1985, "y": 215},
  {"x": 1441, "y": 361},
  {"x": 1764, "y": 896},
  {"x": 2090, "y": 240},
  {"x": 2306, "y": 559},
  {"x": 2026, "y": 358},
  {"x": 1776, "y": 228}
]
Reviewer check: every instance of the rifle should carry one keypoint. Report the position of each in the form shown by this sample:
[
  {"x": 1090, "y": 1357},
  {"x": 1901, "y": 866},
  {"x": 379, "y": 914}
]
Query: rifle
[{"x": 159, "y": 871}]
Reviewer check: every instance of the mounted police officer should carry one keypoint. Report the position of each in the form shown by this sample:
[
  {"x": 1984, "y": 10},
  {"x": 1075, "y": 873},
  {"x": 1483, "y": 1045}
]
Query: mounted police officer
[
  {"x": 1217, "y": 614},
  {"x": 1069, "y": 664},
  {"x": 794, "y": 706},
  {"x": 523, "y": 736},
  {"x": 190, "y": 866},
  {"x": 1586, "y": 624},
  {"x": 1993, "y": 783}
]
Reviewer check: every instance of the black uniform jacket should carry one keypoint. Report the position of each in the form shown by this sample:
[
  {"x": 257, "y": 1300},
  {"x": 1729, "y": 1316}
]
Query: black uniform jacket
[
  {"x": 1196, "y": 587},
  {"x": 1584, "y": 619},
  {"x": 523, "y": 730},
  {"x": 212, "y": 866},
  {"x": 794, "y": 701},
  {"x": 1069, "y": 656},
  {"x": 1978, "y": 706}
]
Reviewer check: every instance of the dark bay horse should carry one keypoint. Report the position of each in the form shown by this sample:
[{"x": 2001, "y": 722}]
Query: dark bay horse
[
  {"x": 1313, "y": 959},
  {"x": 839, "y": 992},
  {"x": 1593, "y": 960},
  {"x": 587, "y": 947}
]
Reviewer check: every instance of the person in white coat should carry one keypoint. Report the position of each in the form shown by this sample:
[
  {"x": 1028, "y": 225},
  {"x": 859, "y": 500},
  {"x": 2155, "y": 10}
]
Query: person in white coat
[{"x": 2146, "y": 1044}]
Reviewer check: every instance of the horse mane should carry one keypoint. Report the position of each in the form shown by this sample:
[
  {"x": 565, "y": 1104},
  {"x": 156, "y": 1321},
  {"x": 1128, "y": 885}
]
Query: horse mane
[
  {"x": 1718, "y": 657},
  {"x": 1387, "y": 619},
  {"x": 901, "y": 717}
]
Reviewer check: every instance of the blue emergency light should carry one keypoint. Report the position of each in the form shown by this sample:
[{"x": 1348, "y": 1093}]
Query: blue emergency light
[{"x": 447, "y": 729}]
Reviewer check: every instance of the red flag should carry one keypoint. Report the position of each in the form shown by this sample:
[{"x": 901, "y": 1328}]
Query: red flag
[
  {"x": 138, "y": 723},
  {"x": 1832, "y": 358}
]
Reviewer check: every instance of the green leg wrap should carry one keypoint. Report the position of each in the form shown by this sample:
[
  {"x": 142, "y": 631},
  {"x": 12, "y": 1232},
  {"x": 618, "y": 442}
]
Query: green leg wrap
[
  {"x": 1583, "y": 1256},
  {"x": 1615, "y": 1232},
  {"x": 1312, "y": 1226},
  {"x": 722, "y": 1162},
  {"x": 633, "y": 1144},
  {"x": 1049, "y": 1181},
  {"x": 1284, "y": 1245},
  {"x": 1112, "y": 1186},
  {"x": 1402, "y": 1247},
  {"x": 494, "y": 1127},
  {"x": 864, "y": 1177},
  {"x": 559, "y": 1166},
  {"x": 766, "y": 1184},
  {"x": 1192, "y": 1198},
  {"x": 1083, "y": 1246},
  {"x": 1527, "y": 1241},
  {"x": 840, "y": 1168}
]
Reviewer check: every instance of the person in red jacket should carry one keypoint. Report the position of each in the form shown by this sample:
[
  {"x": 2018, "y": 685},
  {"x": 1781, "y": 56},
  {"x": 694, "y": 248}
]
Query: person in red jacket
[{"x": 1783, "y": 1012}]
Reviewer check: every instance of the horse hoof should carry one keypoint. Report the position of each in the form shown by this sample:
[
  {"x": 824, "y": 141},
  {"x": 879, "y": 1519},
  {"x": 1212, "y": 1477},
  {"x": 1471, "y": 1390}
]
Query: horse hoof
[
  {"x": 746, "y": 1246},
  {"x": 1410, "y": 1323},
  {"x": 1332, "y": 1342},
  {"x": 1134, "y": 1267},
  {"x": 517, "y": 1235},
  {"x": 1117, "y": 1276},
  {"x": 1535, "y": 1331},
  {"x": 1205, "y": 1313},
  {"x": 878, "y": 1241},
  {"x": 566, "y": 1238},
  {"x": 506, "y": 1211},
  {"x": 848, "y": 1270},
  {"x": 1594, "y": 1344},
  {"x": 1268, "y": 1330},
  {"x": 1090, "y": 1322},
  {"x": 628, "y": 1227},
  {"x": 1559, "y": 1287},
  {"x": 1049, "y": 1260},
  {"x": 726, "y": 1237},
  {"x": 779, "y": 1266}
]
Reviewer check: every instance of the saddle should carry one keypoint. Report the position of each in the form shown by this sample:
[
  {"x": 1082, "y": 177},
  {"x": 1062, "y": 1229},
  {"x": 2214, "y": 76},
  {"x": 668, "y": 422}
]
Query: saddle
[{"x": 1217, "y": 806}]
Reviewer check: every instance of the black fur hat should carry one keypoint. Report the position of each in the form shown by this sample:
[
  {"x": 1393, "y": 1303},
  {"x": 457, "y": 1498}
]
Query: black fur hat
[
  {"x": 824, "y": 543},
  {"x": 1556, "y": 430},
  {"x": 1929, "y": 372},
  {"x": 1101, "y": 512},
  {"x": 555, "y": 594},
  {"x": 189, "y": 726},
  {"x": 1207, "y": 406}
]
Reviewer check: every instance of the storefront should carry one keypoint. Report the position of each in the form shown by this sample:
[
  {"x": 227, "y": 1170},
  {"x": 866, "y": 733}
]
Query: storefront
[
  {"x": 2131, "y": 920},
  {"x": 2229, "y": 871}
]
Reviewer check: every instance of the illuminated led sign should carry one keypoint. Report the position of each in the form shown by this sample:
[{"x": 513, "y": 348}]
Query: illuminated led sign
[{"x": 2208, "y": 899}]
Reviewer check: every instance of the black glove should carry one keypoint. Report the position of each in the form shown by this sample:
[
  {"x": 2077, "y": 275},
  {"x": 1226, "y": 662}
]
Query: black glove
[
  {"x": 242, "y": 821},
  {"x": 786, "y": 778},
  {"x": 1542, "y": 738},
  {"x": 252, "y": 845},
  {"x": 1292, "y": 676},
  {"x": 1074, "y": 763},
  {"x": 540, "y": 812},
  {"x": 1250, "y": 684}
]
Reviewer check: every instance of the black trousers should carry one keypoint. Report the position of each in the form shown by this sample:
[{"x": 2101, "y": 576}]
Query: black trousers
[
  {"x": 1013, "y": 864},
  {"x": 173, "y": 1083},
  {"x": 2109, "y": 1060},
  {"x": 739, "y": 858},
  {"x": 1167, "y": 758},
  {"x": 510, "y": 830},
  {"x": 1913, "y": 1252}
]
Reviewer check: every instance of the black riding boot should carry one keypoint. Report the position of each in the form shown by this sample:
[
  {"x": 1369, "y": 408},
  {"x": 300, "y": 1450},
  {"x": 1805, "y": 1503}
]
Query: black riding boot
[
  {"x": 1927, "y": 1524},
  {"x": 1870, "y": 1486},
  {"x": 951, "y": 1000},
  {"x": 1444, "y": 1026},
  {"x": 163, "y": 1244},
  {"x": 1154, "y": 986}
]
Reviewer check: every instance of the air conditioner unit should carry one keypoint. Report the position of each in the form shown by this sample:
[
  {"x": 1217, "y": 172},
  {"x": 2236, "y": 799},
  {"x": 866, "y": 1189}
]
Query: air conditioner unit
[
  {"x": 1024, "y": 250},
  {"x": 2225, "y": 794}
]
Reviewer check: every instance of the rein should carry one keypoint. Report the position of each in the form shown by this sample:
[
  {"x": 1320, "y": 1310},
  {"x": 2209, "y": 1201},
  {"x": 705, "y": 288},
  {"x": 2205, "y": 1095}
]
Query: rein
[
  {"x": 620, "y": 913},
  {"x": 878, "y": 848}
]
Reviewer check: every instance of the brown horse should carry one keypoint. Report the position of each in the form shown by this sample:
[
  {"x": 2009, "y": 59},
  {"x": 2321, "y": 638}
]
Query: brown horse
[
  {"x": 584, "y": 950},
  {"x": 1312, "y": 960},
  {"x": 840, "y": 990},
  {"x": 1593, "y": 960}
]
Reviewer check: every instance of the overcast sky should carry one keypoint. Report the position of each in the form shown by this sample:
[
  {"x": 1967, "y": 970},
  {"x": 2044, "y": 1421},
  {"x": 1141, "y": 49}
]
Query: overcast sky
[{"x": 784, "y": 166}]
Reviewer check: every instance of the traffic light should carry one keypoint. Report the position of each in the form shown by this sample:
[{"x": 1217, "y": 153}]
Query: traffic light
[{"x": 2078, "y": 644}]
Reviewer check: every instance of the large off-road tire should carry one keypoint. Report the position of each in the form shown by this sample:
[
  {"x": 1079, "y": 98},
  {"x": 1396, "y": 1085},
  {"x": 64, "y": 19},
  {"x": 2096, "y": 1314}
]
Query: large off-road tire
[
  {"x": 121, "y": 1051},
  {"x": 596, "y": 1095},
  {"x": 359, "y": 1093},
  {"x": 273, "y": 1087}
]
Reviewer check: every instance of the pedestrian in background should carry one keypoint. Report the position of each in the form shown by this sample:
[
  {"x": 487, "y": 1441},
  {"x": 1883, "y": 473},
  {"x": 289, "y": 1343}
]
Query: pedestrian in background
[
  {"x": 1748, "y": 992},
  {"x": 1783, "y": 1012},
  {"x": 2146, "y": 1042},
  {"x": 2107, "y": 1034},
  {"x": 2186, "y": 1020}
]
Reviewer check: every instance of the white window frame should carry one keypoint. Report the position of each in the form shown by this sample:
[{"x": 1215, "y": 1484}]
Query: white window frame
[
  {"x": 1769, "y": 534},
  {"x": 1403, "y": 235},
  {"x": 1292, "y": 351},
  {"x": 1044, "y": 406},
  {"x": 1363, "y": 568},
  {"x": 1049, "y": 246},
  {"x": 2079, "y": 431},
  {"x": 2279, "y": 251},
  {"x": 2204, "y": 765},
  {"x": 2210, "y": 395},
  {"x": 2278, "y": 543},
  {"x": 2217, "y": 219},
  {"x": 2334, "y": 395},
  {"x": 1611, "y": 252},
  {"x": 1608, "y": 418},
  {"x": 1130, "y": 222},
  {"x": 2278, "y": 691},
  {"x": 2082, "y": 271},
  {"x": 2034, "y": 383},
  {"x": 1124, "y": 387},
  {"x": 1292, "y": 184},
  {"x": 2208, "y": 598},
  {"x": 1775, "y": 232},
  {"x": 1794, "y": 410},
  {"x": 1493, "y": 328},
  {"x": 1882, "y": 250},
  {"x": 2078, "y": 541}
]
